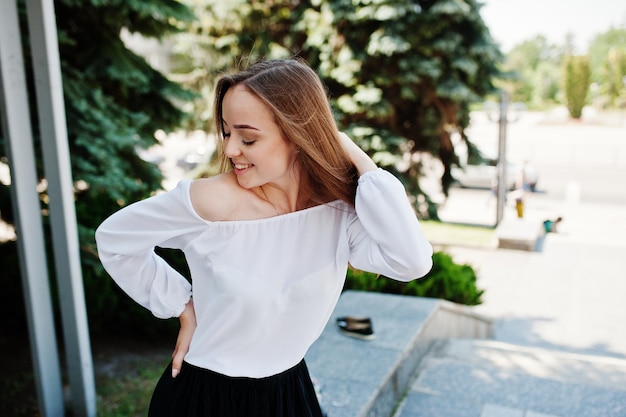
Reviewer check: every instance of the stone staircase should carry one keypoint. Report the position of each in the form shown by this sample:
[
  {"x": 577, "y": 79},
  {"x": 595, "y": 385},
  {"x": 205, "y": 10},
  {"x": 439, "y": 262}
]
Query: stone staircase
[
  {"x": 432, "y": 358},
  {"x": 484, "y": 378}
]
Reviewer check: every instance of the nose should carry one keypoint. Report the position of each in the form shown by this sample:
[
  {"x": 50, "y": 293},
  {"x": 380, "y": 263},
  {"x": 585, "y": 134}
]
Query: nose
[{"x": 231, "y": 149}]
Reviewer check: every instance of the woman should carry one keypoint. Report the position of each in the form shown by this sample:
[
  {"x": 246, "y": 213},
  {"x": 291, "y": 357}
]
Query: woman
[{"x": 268, "y": 243}]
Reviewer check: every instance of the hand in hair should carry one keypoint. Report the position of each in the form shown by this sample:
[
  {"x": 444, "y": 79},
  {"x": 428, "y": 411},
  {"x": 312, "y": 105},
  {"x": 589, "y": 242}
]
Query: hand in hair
[{"x": 359, "y": 158}]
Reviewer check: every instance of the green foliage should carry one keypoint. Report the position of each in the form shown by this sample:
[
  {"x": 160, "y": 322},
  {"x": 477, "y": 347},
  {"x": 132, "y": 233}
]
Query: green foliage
[
  {"x": 224, "y": 34},
  {"x": 616, "y": 77},
  {"x": 401, "y": 74},
  {"x": 533, "y": 72},
  {"x": 576, "y": 76},
  {"x": 447, "y": 280},
  {"x": 114, "y": 103},
  {"x": 607, "y": 59}
]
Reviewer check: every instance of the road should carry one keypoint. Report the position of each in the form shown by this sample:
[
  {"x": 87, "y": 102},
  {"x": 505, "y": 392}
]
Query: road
[
  {"x": 593, "y": 184},
  {"x": 568, "y": 296},
  {"x": 577, "y": 161}
]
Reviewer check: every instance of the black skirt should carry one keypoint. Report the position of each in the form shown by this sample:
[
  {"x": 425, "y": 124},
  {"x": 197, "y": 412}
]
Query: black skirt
[{"x": 198, "y": 392}]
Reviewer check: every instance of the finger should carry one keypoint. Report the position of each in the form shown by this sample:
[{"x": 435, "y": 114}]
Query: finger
[{"x": 177, "y": 363}]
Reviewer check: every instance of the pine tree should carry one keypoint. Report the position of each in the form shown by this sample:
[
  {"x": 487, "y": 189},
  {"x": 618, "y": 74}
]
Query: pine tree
[
  {"x": 407, "y": 71},
  {"x": 401, "y": 73},
  {"x": 115, "y": 102}
]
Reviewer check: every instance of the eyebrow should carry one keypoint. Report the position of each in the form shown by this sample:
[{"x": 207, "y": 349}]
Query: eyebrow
[
  {"x": 244, "y": 126},
  {"x": 238, "y": 126}
]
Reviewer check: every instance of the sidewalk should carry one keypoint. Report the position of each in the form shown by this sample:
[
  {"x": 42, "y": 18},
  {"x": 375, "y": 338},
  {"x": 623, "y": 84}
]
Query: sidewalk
[
  {"x": 569, "y": 296},
  {"x": 483, "y": 378},
  {"x": 557, "y": 346}
]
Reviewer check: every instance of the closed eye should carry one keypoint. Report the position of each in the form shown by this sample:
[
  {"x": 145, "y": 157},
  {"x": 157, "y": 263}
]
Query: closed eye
[{"x": 247, "y": 143}]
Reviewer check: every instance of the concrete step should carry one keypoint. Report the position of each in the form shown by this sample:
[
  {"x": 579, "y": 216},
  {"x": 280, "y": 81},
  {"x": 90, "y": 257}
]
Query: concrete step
[
  {"x": 526, "y": 233},
  {"x": 484, "y": 378},
  {"x": 360, "y": 378}
]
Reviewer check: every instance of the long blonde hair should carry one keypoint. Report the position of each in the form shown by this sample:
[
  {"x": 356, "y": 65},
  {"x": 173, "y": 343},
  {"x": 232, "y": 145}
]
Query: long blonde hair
[{"x": 295, "y": 96}]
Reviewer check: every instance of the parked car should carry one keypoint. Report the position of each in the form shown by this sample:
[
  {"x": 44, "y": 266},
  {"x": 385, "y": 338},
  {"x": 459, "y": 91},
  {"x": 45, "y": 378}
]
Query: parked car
[
  {"x": 482, "y": 172},
  {"x": 485, "y": 175},
  {"x": 199, "y": 156}
]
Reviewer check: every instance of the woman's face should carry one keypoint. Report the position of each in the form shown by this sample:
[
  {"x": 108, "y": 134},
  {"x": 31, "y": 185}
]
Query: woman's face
[{"x": 254, "y": 143}]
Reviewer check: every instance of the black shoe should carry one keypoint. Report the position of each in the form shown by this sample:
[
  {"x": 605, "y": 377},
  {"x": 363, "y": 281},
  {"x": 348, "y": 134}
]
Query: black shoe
[
  {"x": 359, "y": 327},
  {"x": 351, "y": 320}
]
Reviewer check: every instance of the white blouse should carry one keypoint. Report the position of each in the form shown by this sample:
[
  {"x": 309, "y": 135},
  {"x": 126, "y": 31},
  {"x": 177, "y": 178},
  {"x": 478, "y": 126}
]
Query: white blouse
[{"x": 263, "y": 289}]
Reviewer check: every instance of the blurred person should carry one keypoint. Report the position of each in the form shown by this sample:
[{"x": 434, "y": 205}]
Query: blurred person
[
  {"x": 529, "y": 177},
  {"x": 552, "y": 226}
]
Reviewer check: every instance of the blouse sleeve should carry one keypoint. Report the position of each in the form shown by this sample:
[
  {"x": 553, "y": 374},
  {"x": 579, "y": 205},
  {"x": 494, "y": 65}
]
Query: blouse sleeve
[
  {"x": 385, "y": 236},
  {"x": 126, "y": 242}
]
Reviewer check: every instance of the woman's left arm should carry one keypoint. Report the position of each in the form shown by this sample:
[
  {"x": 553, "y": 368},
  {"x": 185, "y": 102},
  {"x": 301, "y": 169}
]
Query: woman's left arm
[{"x": 385, "y": 235}]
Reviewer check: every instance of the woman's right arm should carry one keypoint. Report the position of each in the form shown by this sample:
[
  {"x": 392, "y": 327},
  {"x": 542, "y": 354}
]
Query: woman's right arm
[
  {"x": 187, "y": 328},
  {"x": 126, "y": 242}
]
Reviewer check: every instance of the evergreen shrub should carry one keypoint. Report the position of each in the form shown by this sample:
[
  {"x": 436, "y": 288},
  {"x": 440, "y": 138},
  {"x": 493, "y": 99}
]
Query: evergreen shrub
[
  {"x": 447, "y": 280},
  {"x": 576, "y": 80}
]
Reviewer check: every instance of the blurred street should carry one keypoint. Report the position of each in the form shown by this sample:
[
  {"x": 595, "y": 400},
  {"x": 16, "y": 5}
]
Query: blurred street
[
  {"x": 569, "y": 296},
  {"x": 578, "y": 162}
]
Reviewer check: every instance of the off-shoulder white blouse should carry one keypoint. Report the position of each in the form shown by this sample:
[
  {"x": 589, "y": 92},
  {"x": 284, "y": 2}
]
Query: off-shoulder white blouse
[{"x": 263, "y": 289}]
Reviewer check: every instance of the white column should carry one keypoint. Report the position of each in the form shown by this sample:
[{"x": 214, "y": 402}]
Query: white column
[
  {"x": 56, "y": 156},
  {"x": 32, "y": 255}
]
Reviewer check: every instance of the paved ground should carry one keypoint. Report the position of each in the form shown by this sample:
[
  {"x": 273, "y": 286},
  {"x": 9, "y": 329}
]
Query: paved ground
[
  {"x": 570, "y": 295},
  {"x": 548, "y": 307},
  {"x": 483, "y": 378},
  {"x": 566, "y": 299}
]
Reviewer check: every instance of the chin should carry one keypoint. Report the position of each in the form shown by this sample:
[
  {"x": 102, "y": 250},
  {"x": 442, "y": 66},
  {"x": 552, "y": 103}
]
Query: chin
[{"x": 244, "y": 183}]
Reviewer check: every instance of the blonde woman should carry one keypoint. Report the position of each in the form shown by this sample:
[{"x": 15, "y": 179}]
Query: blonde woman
[{"x": 267, "y": 242}]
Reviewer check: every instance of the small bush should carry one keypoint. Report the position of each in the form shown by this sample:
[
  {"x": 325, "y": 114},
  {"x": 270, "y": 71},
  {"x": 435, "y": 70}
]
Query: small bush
[
  {"x": 447, "y": 280},
  {"x": 576, "y": 76}
]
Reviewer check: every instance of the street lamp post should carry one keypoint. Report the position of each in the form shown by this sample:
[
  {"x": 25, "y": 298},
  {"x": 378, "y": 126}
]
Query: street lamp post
[
  {"x": 507, "y": 113},
  {"x": 501, "y": 185}
]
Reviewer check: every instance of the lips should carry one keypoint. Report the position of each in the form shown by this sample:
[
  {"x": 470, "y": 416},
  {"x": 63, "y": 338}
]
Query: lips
[{"x": 240, "y": 168}]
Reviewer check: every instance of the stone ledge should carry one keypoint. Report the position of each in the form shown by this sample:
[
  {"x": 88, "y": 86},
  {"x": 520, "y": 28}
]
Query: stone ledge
[
  {"x": 520, "y": 234},
  {"x": 368, "y": 378}
]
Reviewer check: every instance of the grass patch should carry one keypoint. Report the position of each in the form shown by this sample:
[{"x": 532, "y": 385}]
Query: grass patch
[
  {"x": 126, "y": 373},
  {"x": 455, "y": 234},
  {"x": 17, "y": 395},
  {"x": 128, "y": 394}
]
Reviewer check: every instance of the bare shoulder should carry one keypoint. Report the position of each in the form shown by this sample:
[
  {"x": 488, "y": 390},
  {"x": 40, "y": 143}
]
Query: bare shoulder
[{"x": 216, "y": 198}]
